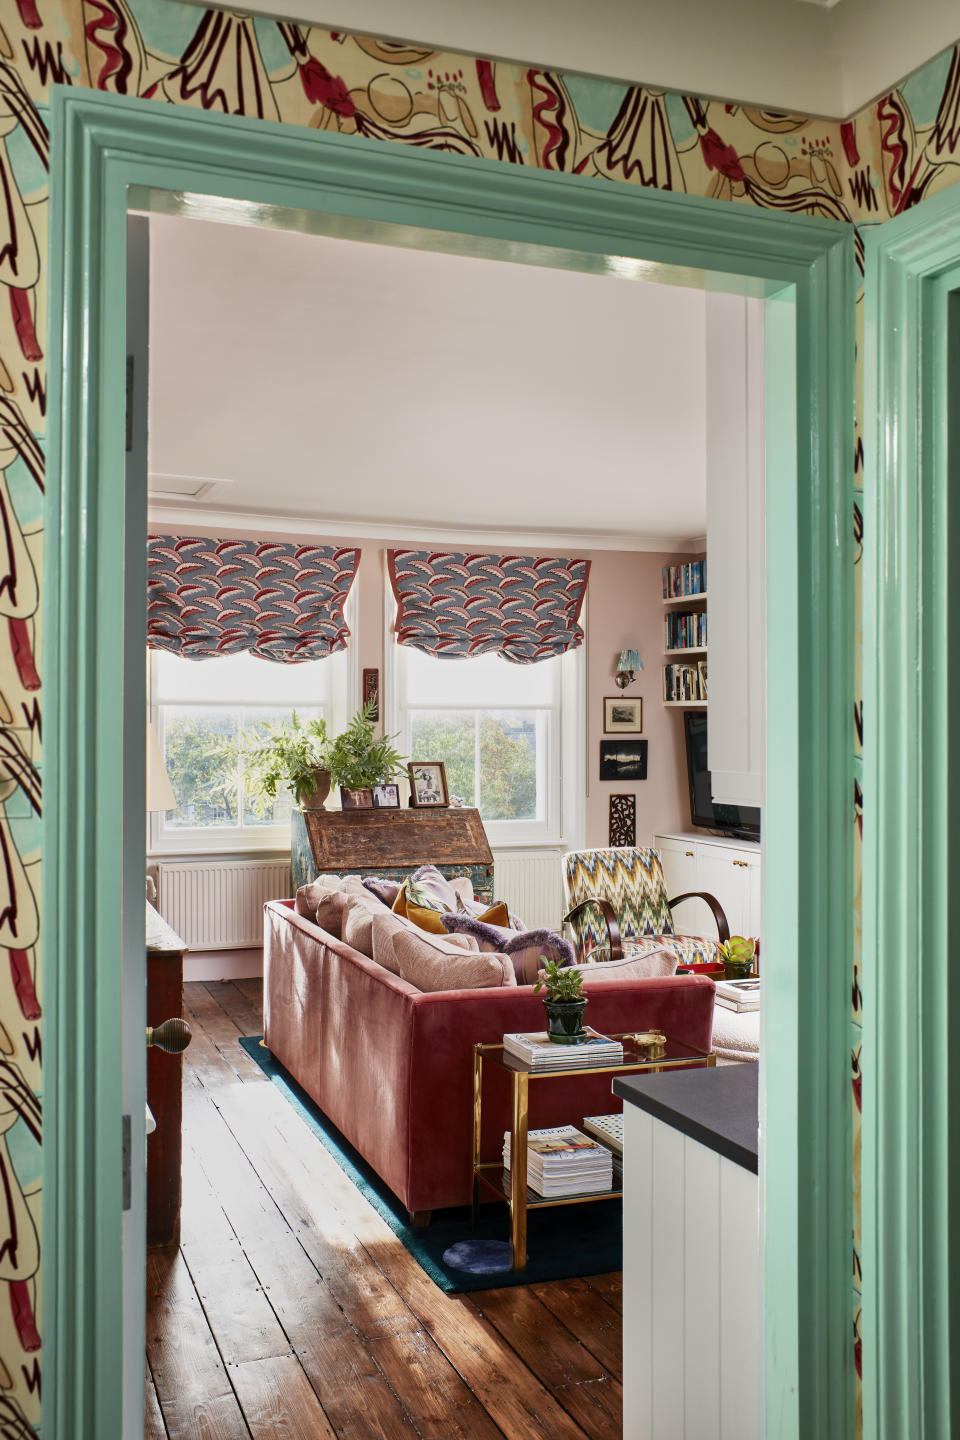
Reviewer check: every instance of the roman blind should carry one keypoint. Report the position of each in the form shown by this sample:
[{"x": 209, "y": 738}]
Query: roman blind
[
  {"x": 216, "y": 597},
  {"x": 523, "y": 607}
]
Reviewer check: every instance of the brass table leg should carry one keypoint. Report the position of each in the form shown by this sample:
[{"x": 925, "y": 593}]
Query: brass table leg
[
  {"x": 477, "y": 1092},
  {"x": 518, "y": 1169}
]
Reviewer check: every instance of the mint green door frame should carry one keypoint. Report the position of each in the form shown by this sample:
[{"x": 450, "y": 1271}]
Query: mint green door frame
[
  {"x": 911, "y": 1085},
  {"x": 110, "y": 151}
]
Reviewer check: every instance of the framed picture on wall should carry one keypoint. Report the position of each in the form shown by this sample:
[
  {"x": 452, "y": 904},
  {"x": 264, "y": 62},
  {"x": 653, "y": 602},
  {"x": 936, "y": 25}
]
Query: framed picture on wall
[
  {"x": 428, "y": 784},
  {"x": 622, "y": 716},
  {"x": 371, "y": 691},
  {"x": 623, "y": 759}
]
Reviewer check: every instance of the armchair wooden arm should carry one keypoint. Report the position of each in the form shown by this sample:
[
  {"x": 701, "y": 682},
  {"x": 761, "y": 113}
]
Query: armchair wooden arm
[
  {"x": 610, "y": 919},
  {"x": 723, "y": 929}
]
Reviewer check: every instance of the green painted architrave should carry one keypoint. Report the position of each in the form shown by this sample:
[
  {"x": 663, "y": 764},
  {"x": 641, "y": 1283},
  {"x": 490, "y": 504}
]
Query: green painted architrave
[
  {"x": 911, "y": 1087},
  {"x": 110, "y": 151}
]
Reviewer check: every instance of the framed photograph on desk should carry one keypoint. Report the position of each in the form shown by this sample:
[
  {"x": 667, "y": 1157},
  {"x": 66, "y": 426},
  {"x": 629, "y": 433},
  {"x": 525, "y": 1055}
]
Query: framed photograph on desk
[{"x": 428, "y": 784}]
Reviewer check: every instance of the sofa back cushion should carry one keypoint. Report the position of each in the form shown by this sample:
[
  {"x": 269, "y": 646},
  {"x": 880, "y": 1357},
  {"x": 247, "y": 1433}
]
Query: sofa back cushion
[
  {"x": 655, "y": 964},
  {"x": 386, "y": 926},
  {"x": 434, "y": 962}
]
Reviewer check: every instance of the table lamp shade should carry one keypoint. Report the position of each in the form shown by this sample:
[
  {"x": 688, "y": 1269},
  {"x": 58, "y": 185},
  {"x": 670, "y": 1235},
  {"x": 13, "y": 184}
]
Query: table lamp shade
[{"x": 160, "y": 794}]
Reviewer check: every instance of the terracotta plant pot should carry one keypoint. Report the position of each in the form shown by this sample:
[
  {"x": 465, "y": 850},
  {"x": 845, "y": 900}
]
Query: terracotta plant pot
[
  {"x": 315, "y": 800},
  {"x": 564, "y": 1020},
  {"x": 356, "y": 799}
]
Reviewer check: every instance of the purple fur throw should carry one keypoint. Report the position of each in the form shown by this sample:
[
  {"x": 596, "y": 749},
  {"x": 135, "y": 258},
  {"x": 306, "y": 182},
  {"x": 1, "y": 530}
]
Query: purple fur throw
[{"x": 508, "y": 942}]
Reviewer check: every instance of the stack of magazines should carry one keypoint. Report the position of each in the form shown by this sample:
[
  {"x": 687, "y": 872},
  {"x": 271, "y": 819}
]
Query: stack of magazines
[
  {"x": 564, "y": 1161},
  {"x": 739, "y": 994},
  {"x": 541, "y": 1053}
]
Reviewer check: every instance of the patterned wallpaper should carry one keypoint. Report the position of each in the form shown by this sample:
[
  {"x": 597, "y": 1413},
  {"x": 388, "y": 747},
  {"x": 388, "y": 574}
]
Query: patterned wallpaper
[{"x": 889, "y": 157}]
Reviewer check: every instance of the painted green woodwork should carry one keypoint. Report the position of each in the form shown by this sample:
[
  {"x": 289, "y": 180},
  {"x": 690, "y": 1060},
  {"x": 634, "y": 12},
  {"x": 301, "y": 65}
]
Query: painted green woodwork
[
  {"x": 911, "y": 1104},
  {"x": 107, "y": 150}
]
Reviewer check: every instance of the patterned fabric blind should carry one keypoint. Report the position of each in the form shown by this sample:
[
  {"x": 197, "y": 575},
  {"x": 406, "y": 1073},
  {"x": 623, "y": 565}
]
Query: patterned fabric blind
[
  {"x": 523, "y": 607},
  {"x": 216, "y": 597}
]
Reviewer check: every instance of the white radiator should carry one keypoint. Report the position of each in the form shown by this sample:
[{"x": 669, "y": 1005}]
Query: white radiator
[
  {"x": 219, "y": 906},
  {"x": 531, "y": 882}
]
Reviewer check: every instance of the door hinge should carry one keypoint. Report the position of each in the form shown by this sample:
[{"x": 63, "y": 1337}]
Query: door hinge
[{"x": 126, "y": 1171}]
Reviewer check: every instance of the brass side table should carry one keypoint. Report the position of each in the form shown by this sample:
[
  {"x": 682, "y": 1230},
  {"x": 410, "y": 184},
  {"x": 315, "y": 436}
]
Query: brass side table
[{"x": 676, "y": 1056}]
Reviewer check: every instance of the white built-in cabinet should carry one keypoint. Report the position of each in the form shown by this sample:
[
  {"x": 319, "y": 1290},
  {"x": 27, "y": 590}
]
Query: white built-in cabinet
[
  {"x": 726, "y": 869},
  {"x": 735, "y": 547}
]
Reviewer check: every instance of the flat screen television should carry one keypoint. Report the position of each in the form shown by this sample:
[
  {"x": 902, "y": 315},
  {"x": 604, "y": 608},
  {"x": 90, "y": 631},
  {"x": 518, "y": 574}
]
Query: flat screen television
[{"x": 742, "y": 821}]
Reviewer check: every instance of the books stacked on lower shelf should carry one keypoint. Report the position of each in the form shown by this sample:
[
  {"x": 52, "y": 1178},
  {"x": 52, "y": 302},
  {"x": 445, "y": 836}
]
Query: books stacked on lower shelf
[
  {"x": 564, "y": 1161},
  {"x": 541, "y": 1053},
  {"x": 739, "y": 994}
]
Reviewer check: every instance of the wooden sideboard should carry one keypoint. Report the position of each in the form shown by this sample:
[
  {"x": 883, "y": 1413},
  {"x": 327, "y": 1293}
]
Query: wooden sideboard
[
  {"x": 165, "y": 952},
  {"x": 393, "y": 843}
]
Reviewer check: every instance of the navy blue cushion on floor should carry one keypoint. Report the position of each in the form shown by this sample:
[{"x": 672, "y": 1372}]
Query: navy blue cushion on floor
[{"x": 563, "y": 1242}]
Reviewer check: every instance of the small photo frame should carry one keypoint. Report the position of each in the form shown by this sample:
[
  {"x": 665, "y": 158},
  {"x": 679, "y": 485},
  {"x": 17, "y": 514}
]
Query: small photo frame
[
  {"x": 386, "y": 797},
  {"x": 623, "y": 760},
  {"x": 428, "y": 784},
  {"x": 622, "y": 716}
]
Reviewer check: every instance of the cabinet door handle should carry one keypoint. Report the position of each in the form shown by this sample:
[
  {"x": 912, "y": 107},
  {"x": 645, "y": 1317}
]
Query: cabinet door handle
[{"x": 689, "y": 852}]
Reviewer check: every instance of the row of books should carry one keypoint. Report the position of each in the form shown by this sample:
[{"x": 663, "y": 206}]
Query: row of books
[
  {"x": 685, "y": 630},
  {"x": 541, "y": 1053},
  {"x": 685, "y": 682},
  {"x": 562, "y": 1160},
  {"x": 684, "y": 579},
  {"x": 739, "y": 995}
]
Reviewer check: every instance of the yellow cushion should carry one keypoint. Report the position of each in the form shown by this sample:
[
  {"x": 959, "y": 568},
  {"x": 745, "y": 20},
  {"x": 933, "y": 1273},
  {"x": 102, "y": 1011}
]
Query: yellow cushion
[
  {"x": 498, "y": 914},
  {"x": 424, "y": 919}
]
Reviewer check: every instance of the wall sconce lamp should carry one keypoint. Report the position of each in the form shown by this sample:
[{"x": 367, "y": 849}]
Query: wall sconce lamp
[{"x": 627, "y": 666}]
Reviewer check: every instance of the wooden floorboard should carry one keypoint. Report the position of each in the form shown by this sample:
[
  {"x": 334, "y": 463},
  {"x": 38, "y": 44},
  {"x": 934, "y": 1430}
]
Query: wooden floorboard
[{"x": 292, "y": 1310}]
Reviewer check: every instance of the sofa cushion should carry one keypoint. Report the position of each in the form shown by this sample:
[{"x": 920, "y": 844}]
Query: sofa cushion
[
  {"x": 387, "y": 925},
  {"x": 431, "y": 962},
  {"x": 356, "y": 929},
  {"x": 527, "y": 948},
  {"x": 653, "y": 964},
  {"x": 384, "y": 889},
  {"x": 309, "y": 896}
]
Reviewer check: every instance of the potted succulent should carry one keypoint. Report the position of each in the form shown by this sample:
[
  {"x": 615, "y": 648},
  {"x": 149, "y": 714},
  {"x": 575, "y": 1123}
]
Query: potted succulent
[
  {"x": 359, "y": 760},
  {"x": 289, "y": 756},
  {"x": 738, "y": 954},
  {"x": 563, "y": 1000}
]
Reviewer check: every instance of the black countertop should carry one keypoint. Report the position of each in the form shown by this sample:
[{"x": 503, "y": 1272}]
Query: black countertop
[{"x": 717, "y": 1107}]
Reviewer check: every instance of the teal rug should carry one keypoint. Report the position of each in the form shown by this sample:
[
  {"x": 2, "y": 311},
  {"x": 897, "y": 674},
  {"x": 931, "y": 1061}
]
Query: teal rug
[{"x": 563, "y": 1242}]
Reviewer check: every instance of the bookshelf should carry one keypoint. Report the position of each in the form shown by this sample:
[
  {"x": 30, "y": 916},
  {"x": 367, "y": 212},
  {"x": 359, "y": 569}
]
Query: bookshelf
[{"x": 685, "y": 636}]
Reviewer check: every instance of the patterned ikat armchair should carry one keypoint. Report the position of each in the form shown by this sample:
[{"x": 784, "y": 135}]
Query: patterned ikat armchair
[{"x": 617, "y": 904}]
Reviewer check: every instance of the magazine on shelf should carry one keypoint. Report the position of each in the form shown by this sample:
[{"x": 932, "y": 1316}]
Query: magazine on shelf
[
  {"x": 739, "y": 994},
  {"x": 562, "y": 1160},
  {"x": 539, "y": 1051}
]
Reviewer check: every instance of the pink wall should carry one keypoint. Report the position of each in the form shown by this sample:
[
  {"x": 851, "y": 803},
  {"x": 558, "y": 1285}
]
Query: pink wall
[{"x": 626, "y": 613}]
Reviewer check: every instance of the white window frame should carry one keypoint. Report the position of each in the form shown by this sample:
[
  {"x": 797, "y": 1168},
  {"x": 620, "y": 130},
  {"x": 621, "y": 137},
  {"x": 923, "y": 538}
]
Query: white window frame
[
  {"x": 562, "y": 825},
  {"x": 224, "y": 841}
]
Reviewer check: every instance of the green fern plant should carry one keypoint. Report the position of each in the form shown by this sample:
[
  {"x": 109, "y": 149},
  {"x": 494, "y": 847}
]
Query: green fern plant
[
  {"x": 358, "y": 759},
  {"x": 273, "y": 758}
]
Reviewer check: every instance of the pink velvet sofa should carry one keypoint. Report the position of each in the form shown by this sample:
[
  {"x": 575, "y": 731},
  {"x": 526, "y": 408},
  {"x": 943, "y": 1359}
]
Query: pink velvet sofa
[{"x": 392, "y": 1067}]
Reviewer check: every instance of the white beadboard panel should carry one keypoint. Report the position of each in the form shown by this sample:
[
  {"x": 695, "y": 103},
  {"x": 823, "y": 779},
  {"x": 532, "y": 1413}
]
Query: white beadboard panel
[
  {"x": 531, "y": 882},
  {"x": 667, "y": 1289},
  {"x": 701, "y": 1245},
  {"x": 639, "y": 1315},
  {"x": 219, "y": 905},
  {"x": 739, "y": 1311}
]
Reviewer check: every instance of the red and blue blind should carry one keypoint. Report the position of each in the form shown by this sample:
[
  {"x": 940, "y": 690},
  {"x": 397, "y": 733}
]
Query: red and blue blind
[
  {"x": 455, "y": 603},
  {"x": 218, "y": 597}
]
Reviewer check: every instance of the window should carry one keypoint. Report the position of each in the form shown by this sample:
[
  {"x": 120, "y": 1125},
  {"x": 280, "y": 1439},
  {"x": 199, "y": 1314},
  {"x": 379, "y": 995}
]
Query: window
[
  {"x": 499, "y": 730},
  {"x": 196, "y": 705}
]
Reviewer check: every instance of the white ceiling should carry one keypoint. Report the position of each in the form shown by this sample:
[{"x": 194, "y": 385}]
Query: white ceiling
[
  {"x": 364, "y": 389},
  {"x": 816, "y": 57}
]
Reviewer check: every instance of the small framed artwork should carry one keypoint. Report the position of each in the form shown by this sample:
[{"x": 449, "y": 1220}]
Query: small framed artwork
[
  {"x": 428, "y": 784},
  {"x": 386, "y": 797},
  {"x": 623, "y": 759},
  {"x": 623, "y": 820},
  {"x": 371, "y": 691},
  {"x": 622, "y": 716}
]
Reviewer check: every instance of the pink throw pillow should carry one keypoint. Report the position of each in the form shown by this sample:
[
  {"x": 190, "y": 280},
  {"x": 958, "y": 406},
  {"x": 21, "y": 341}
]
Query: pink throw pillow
[
  {"x": 656, "y": 964},
  {"x": 432, "y": 963}
]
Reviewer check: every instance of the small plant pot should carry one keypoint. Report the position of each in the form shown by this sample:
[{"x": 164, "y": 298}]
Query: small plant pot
[
  {"x": 314, "y": 801},
  {"x": 564, "y": 1020},
  {"x": 737, "y": 969},
  {"x": 356, "y": 799}
]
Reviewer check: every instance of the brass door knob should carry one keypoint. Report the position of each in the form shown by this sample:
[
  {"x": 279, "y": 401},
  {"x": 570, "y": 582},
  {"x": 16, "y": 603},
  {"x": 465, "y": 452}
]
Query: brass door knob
[{"x": 172, "y": 1036}]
